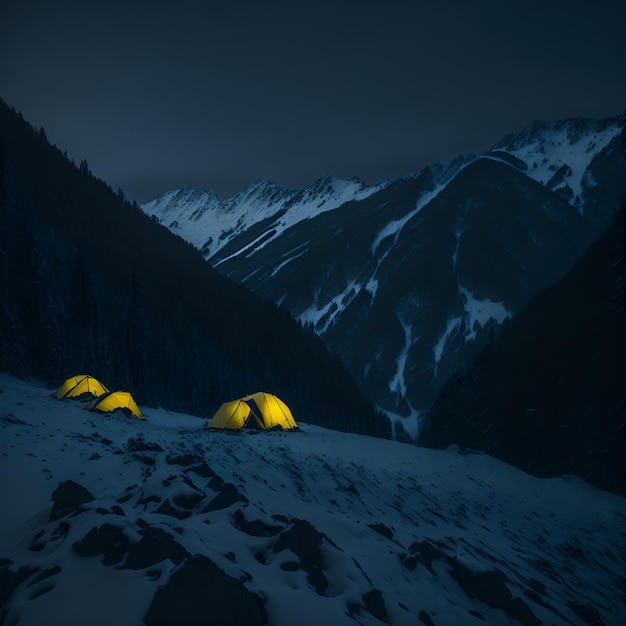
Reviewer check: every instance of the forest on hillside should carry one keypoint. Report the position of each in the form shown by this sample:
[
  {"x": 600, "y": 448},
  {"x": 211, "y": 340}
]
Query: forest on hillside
[
  {"x": 548, "y": 395},
  {"x": 89, "y": 284}
]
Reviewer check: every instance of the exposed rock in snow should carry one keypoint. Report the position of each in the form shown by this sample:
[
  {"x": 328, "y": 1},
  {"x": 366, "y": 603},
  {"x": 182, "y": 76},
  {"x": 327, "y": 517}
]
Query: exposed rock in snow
[{"x": 313, "y": 527}]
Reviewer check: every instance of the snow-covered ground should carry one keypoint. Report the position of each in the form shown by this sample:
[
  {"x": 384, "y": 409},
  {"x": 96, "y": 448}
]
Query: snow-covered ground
[{"x": 309, "y": 527}]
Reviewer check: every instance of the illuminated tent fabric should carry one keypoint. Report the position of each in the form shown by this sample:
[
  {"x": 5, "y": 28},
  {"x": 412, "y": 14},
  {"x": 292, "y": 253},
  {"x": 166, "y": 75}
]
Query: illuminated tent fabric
[
  {"x": 80, "y": 386},
  {"x": 259, "y": 410},
  {"x": 114, "y": 400}
]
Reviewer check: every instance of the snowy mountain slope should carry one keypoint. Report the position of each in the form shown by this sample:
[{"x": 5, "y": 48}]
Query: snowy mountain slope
[
  {"x": 560, "y": 155},
  {"x": 108, "y": 519},
  {"x": 408, "y": 282},
  {"x": 210, "y": 222}
]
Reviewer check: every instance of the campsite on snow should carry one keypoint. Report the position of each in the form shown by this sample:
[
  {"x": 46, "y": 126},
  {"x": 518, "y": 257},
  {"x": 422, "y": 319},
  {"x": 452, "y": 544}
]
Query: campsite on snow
[
  {"x": 189, "y": 444},
  {"x": 108, "y": 518}
]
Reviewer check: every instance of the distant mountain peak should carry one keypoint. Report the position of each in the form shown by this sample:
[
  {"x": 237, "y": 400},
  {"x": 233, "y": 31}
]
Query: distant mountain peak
[{"x": 383, "y": 272}]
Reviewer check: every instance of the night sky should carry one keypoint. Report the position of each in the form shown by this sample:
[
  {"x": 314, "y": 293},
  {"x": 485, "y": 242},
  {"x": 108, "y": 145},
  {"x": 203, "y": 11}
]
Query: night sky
[{"x": 219, "y": 94}]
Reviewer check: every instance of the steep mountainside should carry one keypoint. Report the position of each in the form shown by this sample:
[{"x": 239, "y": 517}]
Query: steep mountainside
[
  {"x": 409, "y": 280},
  {"x": 548, "y": 396},
  {"x": 88, "y": 283}
]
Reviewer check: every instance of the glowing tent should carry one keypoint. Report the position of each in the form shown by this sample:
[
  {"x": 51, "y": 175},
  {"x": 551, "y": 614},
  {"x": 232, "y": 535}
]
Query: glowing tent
[
  {"x": 80, "y": 387},
  {"x": 114, "y": 400},
  {"x": 259, "y": 410}
]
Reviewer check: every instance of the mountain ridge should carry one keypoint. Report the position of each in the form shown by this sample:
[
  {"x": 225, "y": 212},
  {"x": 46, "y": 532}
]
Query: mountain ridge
[{"x": 326, "y": 267}]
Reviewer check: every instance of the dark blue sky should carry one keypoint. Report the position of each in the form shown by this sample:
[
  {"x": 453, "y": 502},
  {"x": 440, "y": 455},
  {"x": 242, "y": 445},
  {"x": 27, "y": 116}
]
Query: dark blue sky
[{"x": 219, "y": 94}]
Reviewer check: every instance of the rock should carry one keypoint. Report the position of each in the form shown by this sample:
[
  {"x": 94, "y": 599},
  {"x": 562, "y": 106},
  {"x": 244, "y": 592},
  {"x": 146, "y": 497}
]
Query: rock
[
  {"x": 184, "y": 460},
  {"x": 201, "y": 593},
  {"x": 427, "y": 553},
  {"x": 140, "y": 445},
  {"x": 10, "y": 581},
  {"x": 410, "y": 562},
  {"x": 425, "y": 618},
  {"x": 374, "y": 603},
  {"x": 68, "y": 498},
  {"x": 11, "y": 419},
  {"x": 488, "y": 587},
  {"x": 256, "y": 528},
  {"x": 216, "y": 483},
  {"x": 187, "y": 501},
  {"x": 167, "y": 509},
  {"x": 477, "y": 614},
  {"x": 42, "y": 590},
  {"x": 47, "y": 573},
  {"x": 302, "y": 539},
  {"x": 145, "y": 459},
  {"x": 587, "y": 612},
  {"x": 305, "y": 542},
  {"x": 227, "y": 496},
  {"x": 39, "y": 541},
  {"x": 382, "y": 529},
  {"x": 520, "y": 611},
  {"x": 202, "y": 470},
  {"x": 147, "y": 499},
  {"x": 108, "y": 540},
  {"x": 154, "y": 546},
  {"x": 36, "y": 545},
  {"x": 290, "y": 566}
]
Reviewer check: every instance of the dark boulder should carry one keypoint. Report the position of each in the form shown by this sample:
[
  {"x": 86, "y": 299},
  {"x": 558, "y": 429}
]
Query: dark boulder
[
  {"x": 139, "y": 444},
  {"x": 108, "y": 540},
  {"x": 167, "y": 509},
  {"x": 182, "y": 459},
  {"x": 488, "y": 587},
  {"x": 305, "y": 542},
  {"x": 202, "y": 470},
  {"x": 201, "y": 593},
  {"x": 521, "y": 612},
  {"x": 10, "y": 580},
  {"x": 187, "y": 501},
  {"x": 256, "y": 528},
  {"x": 154, "y": 546},
  {"x": 225, "y": 498},
  {"x": 384, "y": 530},
  {"x": 426, "y": 552},
  {"x": 68, "y": 497},
  {"x": 374, "y": 604}
]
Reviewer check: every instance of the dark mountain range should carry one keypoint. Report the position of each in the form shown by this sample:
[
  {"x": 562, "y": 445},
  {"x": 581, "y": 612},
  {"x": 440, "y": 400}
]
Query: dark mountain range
[
  {"x": 408, "y": 281},
  {"x": 89, "y": 283},
  {"x": 549, "y": 395}
]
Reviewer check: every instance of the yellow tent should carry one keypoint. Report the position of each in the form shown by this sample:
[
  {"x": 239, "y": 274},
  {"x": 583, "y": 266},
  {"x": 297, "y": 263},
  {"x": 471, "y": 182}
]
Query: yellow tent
[
  {"x": 80, "y": 386},
  {"x": 259, "y": 410},
  {"x": 114, "y": 400}
]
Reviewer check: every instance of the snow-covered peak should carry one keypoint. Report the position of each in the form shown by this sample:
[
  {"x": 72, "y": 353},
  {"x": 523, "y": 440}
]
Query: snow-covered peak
[
  {"x": 257, "y": 194},
  {"x": 209, "y": 222},
  {"x": 186, "y": 200},
  {"x": 558, "y": 154}
]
